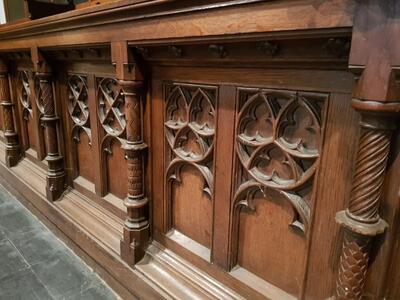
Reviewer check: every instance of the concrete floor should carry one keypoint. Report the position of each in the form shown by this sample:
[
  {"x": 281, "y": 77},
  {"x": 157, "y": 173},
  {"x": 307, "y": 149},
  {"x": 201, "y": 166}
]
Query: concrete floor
[{"x": 35, "y": 264}]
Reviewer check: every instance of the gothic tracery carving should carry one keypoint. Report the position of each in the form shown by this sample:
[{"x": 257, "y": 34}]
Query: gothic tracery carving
[
  {"x": 78, "y": 105},
  {"x": 111, "y": 107},
  {"x": 278, "y": 139},
  {"x": 24, "y": 92},
  {"x": 190, "y": 130}
]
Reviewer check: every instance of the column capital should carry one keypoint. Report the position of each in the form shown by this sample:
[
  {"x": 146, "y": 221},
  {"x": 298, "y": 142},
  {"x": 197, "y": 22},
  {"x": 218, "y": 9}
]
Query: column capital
[
  {"x": 40, "y": 64},
  {"x": 126, "y": 64},
  {"x": 374, "y": 57}
]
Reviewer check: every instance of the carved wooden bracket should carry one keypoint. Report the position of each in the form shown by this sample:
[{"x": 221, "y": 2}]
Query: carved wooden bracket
[
  {"x": 136, "y": 229},
  {"x": 13, "y": 151},
  {"x": 46, "y": 102}
]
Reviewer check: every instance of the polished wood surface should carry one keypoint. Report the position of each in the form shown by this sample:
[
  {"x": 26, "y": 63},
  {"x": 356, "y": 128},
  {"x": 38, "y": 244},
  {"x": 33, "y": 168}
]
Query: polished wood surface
[{"x": 212, "y": 149}]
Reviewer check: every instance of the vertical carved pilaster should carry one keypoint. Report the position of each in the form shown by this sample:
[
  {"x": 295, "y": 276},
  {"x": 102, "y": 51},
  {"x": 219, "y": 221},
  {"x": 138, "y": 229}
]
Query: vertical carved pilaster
[
  {"x": 13, "y": 151},
  {"x": 361, "y": 220},
  {"x": 56, "y": 174},
  {"x": 136, "y": 230}
]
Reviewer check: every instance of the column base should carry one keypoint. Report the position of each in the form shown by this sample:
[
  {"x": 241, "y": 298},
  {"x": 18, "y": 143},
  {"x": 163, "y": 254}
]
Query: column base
[
  {"x": 55, "y": 187},
  {"x": 55, "y": 178},
  {"x": 13, "y": 150},
  {"x": 13, "y": 155},
  {"x": 134, "y": 243}
]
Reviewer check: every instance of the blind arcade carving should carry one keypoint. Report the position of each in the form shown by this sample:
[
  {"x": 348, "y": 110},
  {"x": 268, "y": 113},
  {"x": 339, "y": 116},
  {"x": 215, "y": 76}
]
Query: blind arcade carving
[
  {"x": 278, "y": 141},
  {"x": 202, "y": 149},
  {"x": 190, "y": 112}
]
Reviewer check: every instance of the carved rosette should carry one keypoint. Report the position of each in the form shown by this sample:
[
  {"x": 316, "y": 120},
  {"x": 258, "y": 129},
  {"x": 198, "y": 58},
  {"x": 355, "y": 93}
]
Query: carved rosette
[
  {"x": 45, "y": 102},
  {"x": 190, "y": 132},
  {"x": 78, "y": 108},
  {"x": 361, "y": 220},
  {"x": 13, "y": 153},
  {"x": 278, "y": 139}
]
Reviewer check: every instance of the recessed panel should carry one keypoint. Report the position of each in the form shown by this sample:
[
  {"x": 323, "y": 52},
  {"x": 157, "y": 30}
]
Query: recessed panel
[{"x": 189, "y": 130}]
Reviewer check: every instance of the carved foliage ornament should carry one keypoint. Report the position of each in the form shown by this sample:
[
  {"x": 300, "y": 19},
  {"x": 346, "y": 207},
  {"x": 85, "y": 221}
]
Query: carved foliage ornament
[
  {"x": 277, "y": 144},
  {"x": 78, "y": 105},
  {"x": 24, "y": 92},
  {"x": 190, "y": 130}
]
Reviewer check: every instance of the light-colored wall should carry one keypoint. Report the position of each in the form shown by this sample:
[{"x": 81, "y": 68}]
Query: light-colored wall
[{"x": 2, "y": 12}]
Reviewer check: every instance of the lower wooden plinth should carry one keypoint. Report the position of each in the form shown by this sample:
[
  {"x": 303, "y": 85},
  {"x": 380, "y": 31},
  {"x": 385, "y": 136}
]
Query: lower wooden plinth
[{"x": 95, "y": 234}]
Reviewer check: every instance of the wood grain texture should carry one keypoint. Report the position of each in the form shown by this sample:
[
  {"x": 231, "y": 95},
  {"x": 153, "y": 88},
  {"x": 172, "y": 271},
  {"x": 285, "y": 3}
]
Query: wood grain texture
[
  {"x": 13, "y": 153},
  {"x": 325, "y": 235},
  {"x": 266, "y": 17},
  {"x": 218, "y": 132}
]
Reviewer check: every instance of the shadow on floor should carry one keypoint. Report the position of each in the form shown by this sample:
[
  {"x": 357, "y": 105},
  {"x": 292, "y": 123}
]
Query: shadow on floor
[{"x": 35, "y": 264}]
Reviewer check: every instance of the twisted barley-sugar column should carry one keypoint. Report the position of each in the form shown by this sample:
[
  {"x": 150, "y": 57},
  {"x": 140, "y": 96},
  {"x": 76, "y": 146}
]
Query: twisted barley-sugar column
[
  {"x": 13, "y": 152},
  {"x": 136, "y": 229},
  {"x": 55, "y": 174},
  {"x": 361, "y": 220}
]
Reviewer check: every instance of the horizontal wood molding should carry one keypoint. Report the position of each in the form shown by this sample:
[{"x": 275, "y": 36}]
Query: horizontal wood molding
[
  {"x": 178, "y": 20},
  {"x": 201, "y": 149}
]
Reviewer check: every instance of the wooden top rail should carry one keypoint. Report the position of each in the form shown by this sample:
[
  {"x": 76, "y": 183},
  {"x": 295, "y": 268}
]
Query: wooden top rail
[{"x": 151, "y": 21}]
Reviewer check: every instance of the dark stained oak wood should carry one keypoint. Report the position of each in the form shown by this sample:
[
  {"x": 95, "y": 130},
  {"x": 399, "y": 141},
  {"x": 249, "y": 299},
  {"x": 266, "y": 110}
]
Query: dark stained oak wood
[{"x": 221, "y": 149}]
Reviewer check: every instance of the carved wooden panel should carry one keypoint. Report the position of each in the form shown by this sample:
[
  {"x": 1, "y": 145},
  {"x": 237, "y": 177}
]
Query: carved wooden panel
[
  {"x": 111, "y": 114},
  {"x": 25, "y": 103},
  {"x": 278, "y": 141},
  {"x": 81, "y": 133},
  {"x": 190, "y": 118}
]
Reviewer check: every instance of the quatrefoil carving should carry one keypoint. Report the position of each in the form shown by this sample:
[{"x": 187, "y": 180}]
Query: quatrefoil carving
[{"x": 111, "y": 108}]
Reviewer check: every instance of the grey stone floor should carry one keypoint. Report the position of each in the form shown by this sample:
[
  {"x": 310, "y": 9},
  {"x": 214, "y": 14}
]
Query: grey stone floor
[{"x": 34, "y": 264}]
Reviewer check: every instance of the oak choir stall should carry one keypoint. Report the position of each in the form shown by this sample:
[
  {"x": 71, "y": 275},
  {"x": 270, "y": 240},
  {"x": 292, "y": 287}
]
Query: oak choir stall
[{"x": 224, "y": 149}]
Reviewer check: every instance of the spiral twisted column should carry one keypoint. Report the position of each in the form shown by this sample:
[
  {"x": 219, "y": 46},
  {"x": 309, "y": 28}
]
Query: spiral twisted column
[
  {"x": 136, "y": 230},
  {"x": 13, "y": 150},
  {"x": 361, "y": 220},
  {"x": 56, "y": 174}
]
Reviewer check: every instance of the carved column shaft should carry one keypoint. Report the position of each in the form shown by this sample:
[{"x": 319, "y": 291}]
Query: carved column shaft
[
  {"x": 136, "y": 231},
  {"x": 361, "y": 219},
  {"x": 13, "y": 152},
  {"x": 49, "y": 119}
]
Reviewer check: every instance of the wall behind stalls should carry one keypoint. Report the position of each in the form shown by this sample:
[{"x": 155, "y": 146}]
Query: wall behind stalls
[{"x": 2, "y": 12}]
